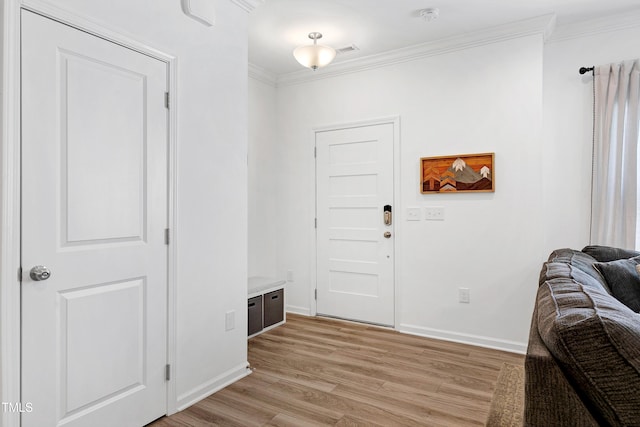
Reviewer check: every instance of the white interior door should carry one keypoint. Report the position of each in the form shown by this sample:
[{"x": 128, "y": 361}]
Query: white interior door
[
  {"x": 355, "y": 265},
  {"x": 94, "y": 211}
]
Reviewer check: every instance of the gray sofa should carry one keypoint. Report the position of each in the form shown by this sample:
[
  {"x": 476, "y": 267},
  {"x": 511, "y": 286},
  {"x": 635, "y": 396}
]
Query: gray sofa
[{"x": 582, "y": 366}]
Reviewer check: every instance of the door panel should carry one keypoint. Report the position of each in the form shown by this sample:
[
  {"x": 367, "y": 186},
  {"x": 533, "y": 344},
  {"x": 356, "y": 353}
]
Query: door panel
[
  {"x": 355, "y": 278},
  {"x": 95, "y": 207},
  {"x": 94, "y": 210},
  {"x": 92, "y": 321}
]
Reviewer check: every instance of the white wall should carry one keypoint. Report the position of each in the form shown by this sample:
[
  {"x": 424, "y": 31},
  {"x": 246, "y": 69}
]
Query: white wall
[
  {"x": 482, "y": 99},
  {"x": 568, "y": 99},
  {"x": 522, "y": 99},
  {"x": 263, "y": 158},
  {"x": 211, "y": 234}
]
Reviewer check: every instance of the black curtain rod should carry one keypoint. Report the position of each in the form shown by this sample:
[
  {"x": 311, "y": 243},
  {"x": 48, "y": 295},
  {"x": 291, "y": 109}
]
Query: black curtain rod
[{"x": 586, "y": 70}]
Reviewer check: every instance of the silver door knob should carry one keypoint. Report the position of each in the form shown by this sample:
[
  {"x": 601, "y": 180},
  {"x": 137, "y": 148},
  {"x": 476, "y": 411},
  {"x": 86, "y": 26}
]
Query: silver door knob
[
  {"x": 39, "y": 272},
  {"x": 387, "y": 234}
]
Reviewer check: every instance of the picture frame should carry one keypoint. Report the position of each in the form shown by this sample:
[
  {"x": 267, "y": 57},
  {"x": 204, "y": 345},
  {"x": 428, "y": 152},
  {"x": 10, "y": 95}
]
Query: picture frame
[{"x": 464, "y": 173}]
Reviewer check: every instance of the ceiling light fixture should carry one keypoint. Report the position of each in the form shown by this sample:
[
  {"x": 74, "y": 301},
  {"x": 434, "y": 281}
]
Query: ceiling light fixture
[{"x": 315, "y": 55}]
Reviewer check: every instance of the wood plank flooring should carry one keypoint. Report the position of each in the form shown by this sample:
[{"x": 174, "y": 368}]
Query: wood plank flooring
[{"x": 317, "y": 371}]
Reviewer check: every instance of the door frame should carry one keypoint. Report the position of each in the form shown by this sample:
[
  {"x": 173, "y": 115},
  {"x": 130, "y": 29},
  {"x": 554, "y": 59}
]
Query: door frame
[
  {"x": 10, "y": 192},
  {"x": 313, "y": 270}
]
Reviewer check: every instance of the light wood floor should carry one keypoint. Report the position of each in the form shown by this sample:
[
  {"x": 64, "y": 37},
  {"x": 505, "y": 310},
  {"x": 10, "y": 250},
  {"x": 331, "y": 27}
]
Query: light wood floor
[{"x": 317, "y": 371}]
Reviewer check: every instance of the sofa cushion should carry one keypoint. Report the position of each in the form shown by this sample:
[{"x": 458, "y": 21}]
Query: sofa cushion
[
  {"x": 623, "y": 279},
  {"x": 580, "y": 261},
  {"x": 607, "y": 253},
  {"x": 559, "y": 270},
  {"x": 596, "y": 341}
]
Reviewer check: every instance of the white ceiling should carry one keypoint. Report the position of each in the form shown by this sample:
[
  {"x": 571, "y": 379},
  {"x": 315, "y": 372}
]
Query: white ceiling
[{"x": 276, "y": 27}]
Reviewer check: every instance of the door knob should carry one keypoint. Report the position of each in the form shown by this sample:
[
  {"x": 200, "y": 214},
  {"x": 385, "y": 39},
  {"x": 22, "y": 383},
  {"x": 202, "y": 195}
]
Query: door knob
[
  {"x": 39, "y": 272},
  {"x": 387, "y": 234}
]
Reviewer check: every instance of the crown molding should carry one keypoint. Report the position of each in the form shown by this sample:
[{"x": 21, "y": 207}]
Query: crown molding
[
  {"x": 260, "y": 74},
  {"x": 603, "y": 24},
  {"x": 247, "y": 5},
  {"x": 542, "y": 25}
]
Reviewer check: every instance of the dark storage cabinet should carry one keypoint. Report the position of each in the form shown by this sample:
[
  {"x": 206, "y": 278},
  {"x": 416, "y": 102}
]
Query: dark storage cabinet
[{"x": 265, "y": 304}]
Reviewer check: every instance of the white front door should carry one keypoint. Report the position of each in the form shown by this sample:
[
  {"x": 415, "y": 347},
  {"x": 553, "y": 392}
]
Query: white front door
[
  {"x": 355, "y": 265},
  {"x": 94, "y": 211}
]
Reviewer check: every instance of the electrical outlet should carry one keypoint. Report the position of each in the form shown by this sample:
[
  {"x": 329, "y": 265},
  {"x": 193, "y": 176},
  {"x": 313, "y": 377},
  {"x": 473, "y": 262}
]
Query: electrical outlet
[
  {"x": 463, "y": 295},
  {"x": 434, "y": 213},
  {"x": 230, "y": 320},
  {"x": 289, "y": 276}
]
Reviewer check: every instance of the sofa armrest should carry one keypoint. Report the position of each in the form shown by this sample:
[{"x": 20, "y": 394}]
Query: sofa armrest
[{"x": 549, "y": 398}]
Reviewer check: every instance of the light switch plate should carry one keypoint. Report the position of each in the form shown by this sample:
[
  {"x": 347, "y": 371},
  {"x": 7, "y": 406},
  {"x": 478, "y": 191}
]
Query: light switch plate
[
  {"x": 434, "y": 213},
  {"x": 413, "y": 214}
]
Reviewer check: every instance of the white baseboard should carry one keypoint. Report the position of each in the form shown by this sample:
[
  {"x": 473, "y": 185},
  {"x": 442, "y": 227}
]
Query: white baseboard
[
  {"x": 208, "y": 388},
  {"x": 304, "y": 311},
  {"x": 477, "y": 340}
]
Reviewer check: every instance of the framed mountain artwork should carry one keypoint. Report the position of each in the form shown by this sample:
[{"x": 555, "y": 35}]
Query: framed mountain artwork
[{"x": 457, "y": 174}]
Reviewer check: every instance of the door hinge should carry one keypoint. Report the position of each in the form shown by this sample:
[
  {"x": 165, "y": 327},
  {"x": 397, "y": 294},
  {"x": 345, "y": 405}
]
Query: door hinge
[
  {"x": 166, "y": 236},
  {"x": 315, "y": 222},
  {"x": 167, "y": 372},
  {"x": 166, "y": 100},
  {"x": 315, "y": 294},
  {"x": 20, "y": 274}
]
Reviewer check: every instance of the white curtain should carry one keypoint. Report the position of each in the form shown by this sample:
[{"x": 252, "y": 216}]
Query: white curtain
[{"x": 615, "y": 156}]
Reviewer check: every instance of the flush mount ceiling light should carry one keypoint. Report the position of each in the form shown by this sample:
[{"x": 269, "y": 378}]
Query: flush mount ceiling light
[{"x": 315, "y": 55}]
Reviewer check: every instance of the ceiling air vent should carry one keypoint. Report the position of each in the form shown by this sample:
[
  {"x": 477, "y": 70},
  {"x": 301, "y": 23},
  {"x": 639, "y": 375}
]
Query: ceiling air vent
[{"x": 348, "y": 49}]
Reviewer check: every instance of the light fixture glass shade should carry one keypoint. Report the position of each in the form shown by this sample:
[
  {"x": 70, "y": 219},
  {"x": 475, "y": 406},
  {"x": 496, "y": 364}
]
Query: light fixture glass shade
[{"x": 314, "y": 56}]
